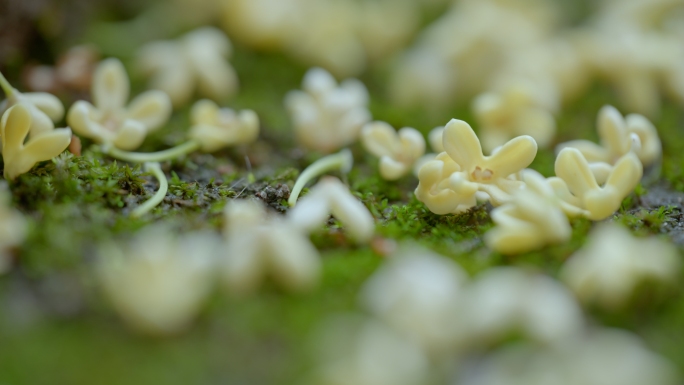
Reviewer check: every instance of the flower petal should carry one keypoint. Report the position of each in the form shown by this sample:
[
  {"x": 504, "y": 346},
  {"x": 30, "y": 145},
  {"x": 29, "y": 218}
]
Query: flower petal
[
  {"x": 592, "y": 152},
  {"x": 110, "y": 87},
  {"x": 48, "y": 103},
  {"x": 244, "y": 265},
  {"x": 391, "y": 169},
  {"x": 177, "y": 81},
  {"x": 15, "y": 125},
  {"x": 435, "y": 139},
  {"x": 38, "y": 149},
  {"x": 651, "y": 146},
  {"x": 82, "y": 118},
  {"x": 462, "y": 145},
  {"x": 294, "y": 261},
  {"x": 413, "y": 144},
  {"x": 380, "y": 139},
  {"x": 621, "y": 182},
  {"x": 613, "y": 132},
  {"x": 130, "y": 135},
  {"x": 204, "y": 111},
  {"x": 151, "y": 108},
  {"x": 216, "y": 78},
  {"x": 575, "y": 171},
  {"x": 515, "y": 155},
  {"x": 537, "y": 123}
]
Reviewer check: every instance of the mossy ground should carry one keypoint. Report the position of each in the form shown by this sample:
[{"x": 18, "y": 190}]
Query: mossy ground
[{"x": 56, "y": 329}]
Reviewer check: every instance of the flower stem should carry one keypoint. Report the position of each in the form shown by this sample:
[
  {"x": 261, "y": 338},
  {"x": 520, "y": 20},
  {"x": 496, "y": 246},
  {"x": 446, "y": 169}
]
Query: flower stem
[
  {"x": 6, "y": 86},
  {"x": 343, "y": 161},
  {"x": 160, "y": 156},
  {"x": 158, "y": 197}
]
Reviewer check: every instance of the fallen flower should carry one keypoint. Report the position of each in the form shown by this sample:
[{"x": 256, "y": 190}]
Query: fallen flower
[
  {"x": 533, "y": 219},
  {"x": 45, "y": 108},
  {"x": 435, "y": 187},
  {"x": 398, "y": 151},
  {"x": 13, "y": 228},
  {"x": 258, "y": 245},
  {"x": 157, "y": 282},
  {"x": 195, "y": 61},
  {"x": 109, "y": 121},
  {"x": 584, "y": 191},
  {"x": 331, "y": 196},
  {"x": 20, "y": 155},
  {"x": 216, "y": 128},
  {"x": 326, "y": 116},
  {"x": 612, "y": 265},
  {"x": 618, "y": 137}
]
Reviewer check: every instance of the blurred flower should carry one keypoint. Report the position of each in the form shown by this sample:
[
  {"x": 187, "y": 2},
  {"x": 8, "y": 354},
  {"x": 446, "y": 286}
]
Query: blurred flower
[
  {"x": 198, "y": 60},
  {"x": 20, "y": 155},
  {"x": 43, "y": 107},
  {"x": 73, "y": 72},
  {"x": 326, "y": 116},
  {"x": 510, "y": 113},
  {"x": 109, "y": 121},
  {"x": 600, "y": 200},
  {"x": 352, "y": 351},
  {"x": 533, "y": 219},
  {"x": 331, "y": 196},
  {"x": 258, "y": 246},
  {"x": 157, "y": 282},
  {"x": 618, "y": 137},
  {"x": 216, "y": 128},
  {"x": 436, "y": 139},
  {"x": 502, "y": 301},
  {"x": 262, "y": 24},
  {"x": 13, "y": 228},
  {"x": 416, "y": 292},
  {"x": 609, "y": 269},
  {"x": 601, "y": 357},
  {"x": 398, "y": 151}
]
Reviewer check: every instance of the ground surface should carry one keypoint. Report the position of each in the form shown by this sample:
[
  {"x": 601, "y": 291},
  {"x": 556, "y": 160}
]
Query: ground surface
[{"x": 55, "y": 328}]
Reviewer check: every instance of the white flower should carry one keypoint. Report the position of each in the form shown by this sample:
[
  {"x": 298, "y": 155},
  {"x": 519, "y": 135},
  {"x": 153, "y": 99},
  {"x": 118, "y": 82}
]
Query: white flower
[
  {"x": 583, "y": 190},
  {"x": 330, "y": 196},
  {"x": 398, "y": 151},
  {"x": 157, "y": 282},
  {"x": 45, "y": 108},
  {"x": 512, "y": 112},
  {"x": 417, "y": 292},
  {"x": 353, "y": 351},
  {"x": 533, "y": 219},
  {"x": 618, "y": 137},
  {"x": 258, "y": 246},
  {"x": 602, "y": 357},
  {"x": 20, "y": 155},
  {"x": 614, "y": 263},
  {"x": 262, "y": 24},
  {"x": 216, "y": 128},
  {"x": 198, "y": 60},
  {"x": 436, "y": 139},
  {"x": 422, "y": 77},
  {"x": 472, "y": 171},
  {"x": 13, "y": 228},
  {"x": 326, "y": 116},
  {"x": 506, "y": 300},
  {"x": 109, "y": 121}
]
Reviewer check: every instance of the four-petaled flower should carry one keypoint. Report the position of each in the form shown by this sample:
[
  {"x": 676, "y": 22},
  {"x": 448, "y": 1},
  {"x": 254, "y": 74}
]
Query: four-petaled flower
[
  {"x": 20, "y": 155},
  {"x": 45, "y": 108},
  {"x": 398, "y": 151},
  {"x": 109, "y": 121},
  {"x": 216, "y": 128}
]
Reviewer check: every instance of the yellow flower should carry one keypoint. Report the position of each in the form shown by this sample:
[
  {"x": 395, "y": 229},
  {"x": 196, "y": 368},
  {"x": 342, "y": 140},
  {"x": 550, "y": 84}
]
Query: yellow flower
[
  {"x": 216, "y": 128},
  {"x": 20, "y": 155},
  {"x": 109, "y": 121},
  {"x": 398, "y": 151}
]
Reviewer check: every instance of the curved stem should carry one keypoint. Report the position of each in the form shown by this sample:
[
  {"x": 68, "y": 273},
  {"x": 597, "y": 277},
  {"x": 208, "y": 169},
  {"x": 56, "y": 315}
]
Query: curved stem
[
  {"x": 6, "y": 86},
  {"x": 343, "y": 161},
  {"x": 160, "y": 156},
  {"x": 158, "y": 197}
]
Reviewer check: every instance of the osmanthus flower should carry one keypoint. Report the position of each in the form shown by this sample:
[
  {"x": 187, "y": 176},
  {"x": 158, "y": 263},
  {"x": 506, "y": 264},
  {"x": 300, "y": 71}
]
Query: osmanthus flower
[
  {"x": 609, "y": 269},
  {"x": 215, "y": 128},
  {"x": 13, "y": 229},
  {"x": 437, "y": 146},
  {"x": 259, "y": 245},
  {"x": 602, "y": 356},
  {"x": 471, "y": 172},
  {"x": 398, "y": 151},
  {"x": 156, "y": 281},
  {"x": 331, "y": 197},
  {"x": 197, "y": 60},
  {"x": 534, "y": 218},
  {"x": 511, "y": 112},
  {"x": 108, "y": 120},
  {"x": 326, "y": 116},
  {"x": 618, "y": 137},
  {"x": 20, "y": 155},
  {"x": 354, "y": 350},
  {"x": 45, "y": 108},
  {"x": 416, "y": 292},
  {"x": 583, "y": 190},
  {"x": 506, "y": 300}
]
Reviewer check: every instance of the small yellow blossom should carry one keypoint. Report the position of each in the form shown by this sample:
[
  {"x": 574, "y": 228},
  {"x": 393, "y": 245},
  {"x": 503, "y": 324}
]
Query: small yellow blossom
[
  {"x": 216, "y": 128},
  {"x": 398, "y": 151}
]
